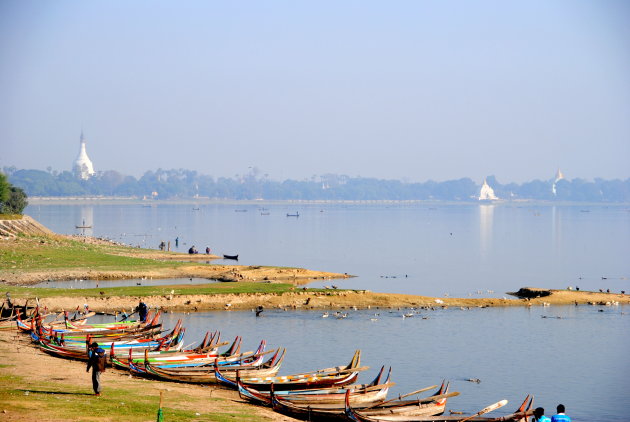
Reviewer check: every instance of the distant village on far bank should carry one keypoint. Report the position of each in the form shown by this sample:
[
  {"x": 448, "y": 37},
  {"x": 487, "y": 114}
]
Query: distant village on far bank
[{"x": 84, "y": 181}]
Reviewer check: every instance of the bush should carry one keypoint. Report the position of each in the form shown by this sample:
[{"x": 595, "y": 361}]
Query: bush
[{"x": 12, "y": 199}]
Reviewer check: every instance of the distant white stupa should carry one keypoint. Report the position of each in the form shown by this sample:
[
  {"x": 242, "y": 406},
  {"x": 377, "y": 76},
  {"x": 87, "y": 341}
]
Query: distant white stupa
[
  {"x": 559, "y": 176},
  {"x": 83, "y": 168},
  {"x": 487, "y": 193}
]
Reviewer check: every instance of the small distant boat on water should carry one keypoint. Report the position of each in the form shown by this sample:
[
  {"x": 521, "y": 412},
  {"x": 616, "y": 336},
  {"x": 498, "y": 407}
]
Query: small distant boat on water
[
  {"x": 297, "y": 214},
  {"x": 83, "y": 226},
  {"x": 234, "y": 257}
]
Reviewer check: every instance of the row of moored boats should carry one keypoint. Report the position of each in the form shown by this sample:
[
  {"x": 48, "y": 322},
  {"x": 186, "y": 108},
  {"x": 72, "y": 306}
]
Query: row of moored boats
[{"x": 145, "y": 349}]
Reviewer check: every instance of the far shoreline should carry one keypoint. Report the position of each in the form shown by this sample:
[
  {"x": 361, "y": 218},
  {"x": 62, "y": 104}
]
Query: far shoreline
[{"x": 107, "y": 200}]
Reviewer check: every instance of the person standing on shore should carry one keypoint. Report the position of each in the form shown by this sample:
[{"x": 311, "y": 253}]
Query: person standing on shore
[
  {"x": 560, "y": 417},
  {"x": 142, "y": 310},
  {"x": 539, "y": 415},
  {"x": 96, "y": 361}
]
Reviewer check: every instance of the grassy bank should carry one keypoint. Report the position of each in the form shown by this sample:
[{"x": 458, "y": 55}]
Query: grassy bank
[
  {"x": 165, "y": 290},
  {"x": 29, "y": 253},
  {"x": 10, "y": 216}
]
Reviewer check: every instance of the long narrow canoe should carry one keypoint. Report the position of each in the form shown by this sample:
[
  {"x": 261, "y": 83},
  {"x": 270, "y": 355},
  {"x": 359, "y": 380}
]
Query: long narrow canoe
[
  {"x": 373, "y": 392},
  {"x": 337, "y": 376},
  {"x": 521, "y": 414},
  {"x": 403, "y": 408},
  {"x": 203, "y": 361},
  {"x": 206, "y": 375}
]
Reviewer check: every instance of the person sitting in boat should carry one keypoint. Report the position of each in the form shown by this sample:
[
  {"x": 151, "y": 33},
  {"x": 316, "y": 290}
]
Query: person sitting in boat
[
  {"x": 560, "y": 416},
  {"x": 539, "y": 415},
  {"x": 142, "y": 310}
]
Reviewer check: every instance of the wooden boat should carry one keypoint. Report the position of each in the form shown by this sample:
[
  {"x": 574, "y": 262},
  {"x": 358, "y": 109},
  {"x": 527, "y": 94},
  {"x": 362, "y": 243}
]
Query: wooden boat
[
  {"x": 421, "y": 407},
  {"x": 173, "y": 340},
  {"x": 36, "y": 318},
  {"x": 234, "y": 257},
  {"x": 208, "y": 348},
  {"x": 330, "y": 398},
  {"x": 206, "y": 374},
  {"x": 297, "y": 214},
  {"x": 184, "y": 362},
  {"x": 78, "y": 336},
  {"x": 329, "y": 377},
  {"x": 521, "y": 414},
  {"x": 189, "y": 360}
]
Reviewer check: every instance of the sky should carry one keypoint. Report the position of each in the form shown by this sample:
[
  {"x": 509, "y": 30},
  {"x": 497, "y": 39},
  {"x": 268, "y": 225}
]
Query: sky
[{"x": 409, "y": 90}]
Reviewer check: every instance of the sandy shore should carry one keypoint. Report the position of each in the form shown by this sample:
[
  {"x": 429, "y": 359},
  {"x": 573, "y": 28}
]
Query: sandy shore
[{"x": 330, "y": 300}]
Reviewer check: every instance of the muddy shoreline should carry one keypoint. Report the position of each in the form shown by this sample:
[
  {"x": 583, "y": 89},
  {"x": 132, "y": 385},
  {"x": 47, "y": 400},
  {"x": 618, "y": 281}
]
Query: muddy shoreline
[{"x": 332, "y": 300}]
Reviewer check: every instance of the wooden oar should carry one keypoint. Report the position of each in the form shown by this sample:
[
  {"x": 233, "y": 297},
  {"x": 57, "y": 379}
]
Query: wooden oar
[
  {"x": 486, "y": 410},
  {"x": 439, "y": 397},
  {"x": 404, "y": 395}
]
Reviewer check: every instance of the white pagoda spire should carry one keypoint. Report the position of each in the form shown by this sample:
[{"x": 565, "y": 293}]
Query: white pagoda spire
[
  {"x": 559, "y": 176},
  {"x": 83, "y": 168},
  {"x": 487, "y": 193}
]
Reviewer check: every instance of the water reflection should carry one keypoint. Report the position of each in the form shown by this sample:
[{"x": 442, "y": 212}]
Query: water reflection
[
  {"x": 556, "y": 228},
  {"x": 486, "y": 215},
  {"x": 85, "y": 222}
]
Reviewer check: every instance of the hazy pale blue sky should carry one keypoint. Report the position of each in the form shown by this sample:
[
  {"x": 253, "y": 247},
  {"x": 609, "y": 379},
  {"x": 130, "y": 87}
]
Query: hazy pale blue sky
[{"x": 412, "y": 90}]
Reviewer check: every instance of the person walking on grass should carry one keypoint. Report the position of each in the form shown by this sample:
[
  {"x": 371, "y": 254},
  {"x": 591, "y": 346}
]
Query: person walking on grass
[
  {"x": 96, "y": 361},
  {"x": 560, "y": 417}
]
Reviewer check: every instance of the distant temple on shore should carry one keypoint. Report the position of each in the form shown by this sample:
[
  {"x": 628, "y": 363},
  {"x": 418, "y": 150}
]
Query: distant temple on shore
[
  {"x": 559, "y": 176},
  {"x": 83, "y": 168},
  {"x": 487, "y": 193}
]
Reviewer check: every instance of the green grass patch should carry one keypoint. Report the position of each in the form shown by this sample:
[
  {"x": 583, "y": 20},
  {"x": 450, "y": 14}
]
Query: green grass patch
[
  {"x": 41, "y": 253},
  {"x": 10, "y": 216},
  {"x": 50, "y": 400}
]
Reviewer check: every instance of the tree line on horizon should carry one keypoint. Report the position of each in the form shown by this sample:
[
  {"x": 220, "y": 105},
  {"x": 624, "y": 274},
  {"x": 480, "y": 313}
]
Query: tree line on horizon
[{"x": 182, "y": 183}]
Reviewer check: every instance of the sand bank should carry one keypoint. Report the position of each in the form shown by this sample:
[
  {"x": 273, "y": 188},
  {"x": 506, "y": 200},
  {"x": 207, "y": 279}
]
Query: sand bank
[{"x": 331, "y": 300}]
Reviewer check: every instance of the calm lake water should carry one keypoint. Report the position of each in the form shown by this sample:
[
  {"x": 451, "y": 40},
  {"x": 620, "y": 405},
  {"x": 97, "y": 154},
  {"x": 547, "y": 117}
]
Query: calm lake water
[{"x": 579, "y": 359}]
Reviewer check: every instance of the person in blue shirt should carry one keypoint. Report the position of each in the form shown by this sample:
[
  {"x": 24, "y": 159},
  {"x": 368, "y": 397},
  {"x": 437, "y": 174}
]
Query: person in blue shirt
[
  {"x": 539, "y": 415},
  {"x": 560, "y": 417}
]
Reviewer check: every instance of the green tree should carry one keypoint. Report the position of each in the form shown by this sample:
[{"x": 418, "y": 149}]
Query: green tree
[
  {"x": 5, "y": 188},
  {"x": 12, "y": 199},
  {"x": 16, "y": 202}
]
